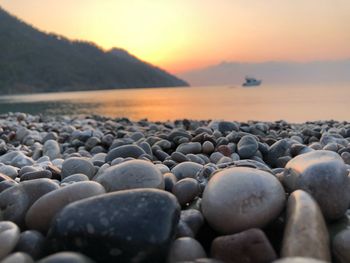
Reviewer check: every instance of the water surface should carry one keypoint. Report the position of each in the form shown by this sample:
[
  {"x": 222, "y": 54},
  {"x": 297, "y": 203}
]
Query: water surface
[{"x": 265, "y": 103}]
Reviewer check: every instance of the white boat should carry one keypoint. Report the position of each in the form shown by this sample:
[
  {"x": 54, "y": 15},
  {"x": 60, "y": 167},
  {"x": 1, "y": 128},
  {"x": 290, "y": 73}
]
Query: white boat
[{"x": 250, "y": 82}]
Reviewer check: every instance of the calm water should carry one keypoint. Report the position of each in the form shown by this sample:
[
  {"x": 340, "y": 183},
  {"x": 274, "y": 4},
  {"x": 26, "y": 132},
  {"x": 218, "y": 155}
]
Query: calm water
[{"x": 291, "y": 103}]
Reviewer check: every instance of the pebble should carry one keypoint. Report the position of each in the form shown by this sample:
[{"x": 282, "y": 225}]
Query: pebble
[
  {"x": 52, "y": 149},
  {"x": 76, "y": 165},
  {"x": 247, "y": 146},
  {"x": 124, "y": 151},
  {"x": 248, "y": 246},
  {"x": 190, "y": 147},
  {"x": 41, "y": 213},
  {"x": 240, "y": 198},
  {"x": 131, "y": 174},
  {"x": 186, "y": 169},
  {"x": 185, "y": 249},
  {"x": 75, "y": 178},
  {"x": 323, "y": 174},
  {"x": 298, "y": 260},
  {"x": 18, "y": 257},
  {"x": 32, "y": 243},
  {"x": 135, "y": 226},
  {"x": 9, "y": 236},
  {"x": 341, "y": 246},
  {"x": 186, "y": 190},
  {"x": 66, "y": 257},
  {"x": 305, "y": 234}
]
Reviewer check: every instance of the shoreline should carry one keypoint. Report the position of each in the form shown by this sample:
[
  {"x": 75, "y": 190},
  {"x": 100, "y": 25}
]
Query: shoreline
[{"x": 111, "y": 189}]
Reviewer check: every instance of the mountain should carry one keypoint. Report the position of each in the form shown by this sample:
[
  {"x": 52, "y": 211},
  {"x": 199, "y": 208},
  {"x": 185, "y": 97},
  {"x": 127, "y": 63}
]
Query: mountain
[
  {"x": 34, "y": 61},
  {"x": 228, "y": 73}
]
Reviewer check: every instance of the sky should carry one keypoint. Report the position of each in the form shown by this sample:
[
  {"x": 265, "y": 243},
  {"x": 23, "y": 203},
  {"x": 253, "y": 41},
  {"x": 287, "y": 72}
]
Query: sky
[{"x": 182, "y": 35}]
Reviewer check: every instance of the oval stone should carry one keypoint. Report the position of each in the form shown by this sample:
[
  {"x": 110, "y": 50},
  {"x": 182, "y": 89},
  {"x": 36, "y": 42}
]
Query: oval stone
[
  {"x": 41, "y": 213},
  {"x": 75, "y": 165},
  {"x": 185, "y": 249},
  {"x": 322, "y": 174},
  {"x": 135, "y": 226},
  {"x": 305, "y": 234},
  {"x": 124, "y": 151},
  {"x": 9, "y": 236},
  {"x": 240, "y": 198},
  {"x": 186, "y": 169},
  {"x": 32, "y": 243},
  {"x": 247, "y": 146},
  {"x": 131, "y": 174}
]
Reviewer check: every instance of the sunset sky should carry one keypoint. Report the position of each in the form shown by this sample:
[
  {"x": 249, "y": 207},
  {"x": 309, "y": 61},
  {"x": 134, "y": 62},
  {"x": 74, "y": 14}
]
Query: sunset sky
[{"x": 181, "y": 35}]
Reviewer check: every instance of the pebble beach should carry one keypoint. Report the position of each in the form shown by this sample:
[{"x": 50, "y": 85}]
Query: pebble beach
[{"x": 96, "y": 189}]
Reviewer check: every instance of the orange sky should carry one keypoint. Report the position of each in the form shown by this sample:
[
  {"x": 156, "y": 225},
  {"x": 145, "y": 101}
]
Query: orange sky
[{"x": 181, "y": 35}]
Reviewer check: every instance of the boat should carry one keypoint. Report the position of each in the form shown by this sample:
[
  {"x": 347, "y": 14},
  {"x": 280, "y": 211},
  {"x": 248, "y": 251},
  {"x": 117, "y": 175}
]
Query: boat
[{"x": 250, "y": 82}]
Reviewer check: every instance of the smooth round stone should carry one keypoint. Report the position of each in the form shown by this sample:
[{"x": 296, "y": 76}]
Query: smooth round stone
[
  {"x": 247, "y": 146},
  {"x": 208, "y": 147},
  {"x": 179, "y": 157},
  {"x": 52, "y": 149},
  {"x": 169, "y": 181},
  {"x": 135, "y": 226},
  {"x": 36, "y": 175},
  {"x": 190, "y": 147},
  {"x": 193, "y": 219},
  {"x": 124, "y": 151},
  {"x": 306, "y": 233},
  {"x": 322, "y": 174},
  {"x": 130, "y": 175},
  {"x": 186, "y": 169},
  {"x": 41, "y": 213},
  {"x": 75, "y": 178},
  {"x": 185, "y": 249},
  {"x": 9, "y": 236},
  {"x": 32, "y": 243},
  {"x": 21, "y": 160},
  {"x": 298, "y": 260},
  {"x": 66, "y": 257},
  {"x": 75, "y": 165},
  {"x": 239, "y": 198},
  {"x": 7, "y": 184},
  {"x": 162, "y": 168},
  {"x": 186, "y": 190},
  {"x": 16, "y": 200},
  {"x": 248, "y": 246},
  {"x": 341, "y": 246},
  {"x": 18, "y": 257},
  {"x": 9, "y": 170},
  {"x": 225, "y": 126},
  {"x": 278, "y": 149}
]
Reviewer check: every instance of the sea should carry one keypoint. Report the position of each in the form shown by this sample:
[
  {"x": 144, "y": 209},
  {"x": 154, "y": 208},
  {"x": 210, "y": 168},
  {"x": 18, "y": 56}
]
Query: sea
[{"x": 292, "y": 103}]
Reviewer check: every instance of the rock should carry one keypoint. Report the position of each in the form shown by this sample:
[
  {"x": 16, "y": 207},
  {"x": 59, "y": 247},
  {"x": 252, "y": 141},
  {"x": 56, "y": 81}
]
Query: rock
[
  {"x": 18, "y": 257},
  {"x": 9, "y": 170},
  {"x": 75, "y": 165},
  {"x": 66, "y": 257},
  {"x": 248, "y": 246},
  {"x": 208, "y": 147},
  {"x": 190, "y": 147},
  {"x": 6, "y": 184},
  {"x": 51, "y": 149},
  {"x": 41, "y": 213},
  {"x": 305, "y": 233},
  {"x": 341, "y": 246},
  {"x": 131, "y": 174},
  {"x": 179, "y": 157},
  {"x": 21, "y": 160},
  {"x": 278, "y": 149},
  {"x": 135, "y": 226},
  {"x": 9, "y": 236},
  {"x": 185, "y": 249},
  {"x": 186, "y": 169},
  {"x": 186, "y": 190},
  {"x": 16, "y": 200},
  {"x": 239, "y": 198},
  {"x": 225, "y": 126},
  {"x": 193, "y": 219},
  {"x": 298, "y": 260},
  {"x": 124, "y": 151},
  {"x": 32, "y": 243},
  {"x": 169, "y": 181},
  {"x": 75, "y": 178},
  {"x": 322, "y": 174},
  {"x": 36, "y": 175},
  {"x": 247, "y": 146}
]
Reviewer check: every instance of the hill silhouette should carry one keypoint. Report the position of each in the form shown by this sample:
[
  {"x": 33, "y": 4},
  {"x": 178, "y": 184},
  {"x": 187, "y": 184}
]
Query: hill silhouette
[{"x": 34, "y": 61}]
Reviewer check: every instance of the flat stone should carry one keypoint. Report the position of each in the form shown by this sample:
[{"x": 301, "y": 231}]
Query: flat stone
[
  {"x": 322, "y": 174},
  {"x": 32, "y": 243},
  {"x": 124, "y": 151},
  {"x": 41, "y": 213},
  {"x": 190, "y": 147},
  {"x": 16, "y": 200},
  {"x": 131, "y": 174},
  {"x": 239, "y": 198},
  {"x": 248, "y": 246},
  {"x": 247, "y": 146},
  {"x": 185, "y": 249},
  {"x": 18, "y": 257},
  {"x": 305, "y": 233},
  {"x": 341, "y": 246},
  {"x": 186, "y": 169},
  {"x": 36, "y": 175},
  {"x": 66, "y": 257},
  {"x": 9, "y": 236},
  {"x": 75, "y": 165},
  {"x": 135, "y": 226}
]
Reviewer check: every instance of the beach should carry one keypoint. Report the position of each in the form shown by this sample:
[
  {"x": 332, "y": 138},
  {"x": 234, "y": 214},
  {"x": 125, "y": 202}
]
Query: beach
[{"x": 101, "y": 189}]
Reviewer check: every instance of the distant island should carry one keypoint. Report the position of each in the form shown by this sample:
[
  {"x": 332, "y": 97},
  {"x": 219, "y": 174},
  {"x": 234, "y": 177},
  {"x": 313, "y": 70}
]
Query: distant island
[
  {"x": 274, "y": 72},
  {"x": 33, "y": 61}
]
